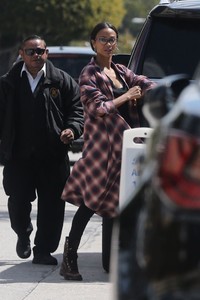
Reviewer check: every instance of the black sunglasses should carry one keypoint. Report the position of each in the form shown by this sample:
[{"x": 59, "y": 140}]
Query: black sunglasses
[{"x": 32, "y": 51}]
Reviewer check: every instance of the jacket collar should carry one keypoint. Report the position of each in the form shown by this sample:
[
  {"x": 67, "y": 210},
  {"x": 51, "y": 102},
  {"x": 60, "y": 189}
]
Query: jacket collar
[
  {"x": 117, "y": 67},
  {"x": 13, "y": 75}
]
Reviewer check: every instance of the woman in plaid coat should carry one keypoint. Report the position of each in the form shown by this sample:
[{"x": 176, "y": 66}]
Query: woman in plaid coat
[{"x": 111, "y": 96}]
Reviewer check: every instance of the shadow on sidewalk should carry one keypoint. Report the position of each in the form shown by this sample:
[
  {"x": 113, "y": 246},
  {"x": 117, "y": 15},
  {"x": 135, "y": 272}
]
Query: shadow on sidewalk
[{"x": 90, "y": 266}]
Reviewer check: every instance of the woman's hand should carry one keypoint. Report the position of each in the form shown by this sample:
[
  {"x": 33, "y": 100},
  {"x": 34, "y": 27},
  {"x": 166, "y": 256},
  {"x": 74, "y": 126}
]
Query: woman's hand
[{"x": 134, "y": 93}]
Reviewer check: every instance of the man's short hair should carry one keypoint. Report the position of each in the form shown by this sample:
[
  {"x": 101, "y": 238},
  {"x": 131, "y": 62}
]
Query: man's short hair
[{"x": 32, "y": 37}]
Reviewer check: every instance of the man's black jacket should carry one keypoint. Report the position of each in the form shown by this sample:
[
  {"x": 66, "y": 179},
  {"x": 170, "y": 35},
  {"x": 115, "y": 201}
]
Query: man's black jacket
[{"x": 63, "y": 108}]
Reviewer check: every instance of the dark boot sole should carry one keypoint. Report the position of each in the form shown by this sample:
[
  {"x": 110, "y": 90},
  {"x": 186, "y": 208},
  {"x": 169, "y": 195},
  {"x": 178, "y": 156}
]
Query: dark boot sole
[{"x": 74, "y": 277}]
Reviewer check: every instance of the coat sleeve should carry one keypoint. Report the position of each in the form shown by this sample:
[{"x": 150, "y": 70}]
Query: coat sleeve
[
  {"x": 73, "y": 112},
  {"x": 132, "y": 79},
  {"x": 96, "y": 93}
]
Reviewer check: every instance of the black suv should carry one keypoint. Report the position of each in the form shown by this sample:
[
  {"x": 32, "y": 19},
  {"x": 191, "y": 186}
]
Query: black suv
[
  {"x": 168, "y": 44},
  {"x": 169, "y": 40}
]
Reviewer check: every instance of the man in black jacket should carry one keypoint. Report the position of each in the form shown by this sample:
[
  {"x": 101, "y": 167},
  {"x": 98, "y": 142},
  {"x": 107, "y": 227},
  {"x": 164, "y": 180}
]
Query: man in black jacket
[{"x": 40, "y": 116}]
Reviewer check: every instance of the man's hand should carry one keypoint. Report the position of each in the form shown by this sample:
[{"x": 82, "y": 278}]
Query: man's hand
[{"x": 67, "y": 136}]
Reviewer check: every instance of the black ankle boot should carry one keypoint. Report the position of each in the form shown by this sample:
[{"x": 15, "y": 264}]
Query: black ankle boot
[{"x": 69, "y": 267}]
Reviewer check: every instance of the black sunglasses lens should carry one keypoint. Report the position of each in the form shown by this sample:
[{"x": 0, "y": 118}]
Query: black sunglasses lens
[
  {"x": 31, "y": 52},
  {"x": 40, "y": 51}
]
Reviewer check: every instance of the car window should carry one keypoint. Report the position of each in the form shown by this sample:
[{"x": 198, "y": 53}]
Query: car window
[
  {"x": 180, "y": 55},
  {"x": 70, "y": 63},
  {"x": 121, "y": 59}
]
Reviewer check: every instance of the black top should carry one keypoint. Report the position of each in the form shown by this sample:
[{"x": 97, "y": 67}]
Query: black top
[{"x": 124, "y": 108}]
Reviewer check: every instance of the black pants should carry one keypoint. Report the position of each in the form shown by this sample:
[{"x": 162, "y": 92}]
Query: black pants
[
  {"x": 79, "y": 222},
  {"x": 24, "y": 181}
]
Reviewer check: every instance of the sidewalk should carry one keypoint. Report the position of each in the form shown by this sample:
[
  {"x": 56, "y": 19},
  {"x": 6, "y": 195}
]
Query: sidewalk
[{"x": 21, "y": 280}]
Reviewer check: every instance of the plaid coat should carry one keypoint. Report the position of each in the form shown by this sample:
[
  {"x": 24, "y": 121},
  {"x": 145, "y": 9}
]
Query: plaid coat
[{"x": 95, "y": 177}]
